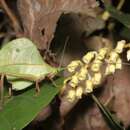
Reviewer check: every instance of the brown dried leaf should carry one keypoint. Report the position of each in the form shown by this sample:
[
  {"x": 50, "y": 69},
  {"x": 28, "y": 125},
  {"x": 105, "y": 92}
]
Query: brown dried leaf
[{"x": 39, "y": 17}]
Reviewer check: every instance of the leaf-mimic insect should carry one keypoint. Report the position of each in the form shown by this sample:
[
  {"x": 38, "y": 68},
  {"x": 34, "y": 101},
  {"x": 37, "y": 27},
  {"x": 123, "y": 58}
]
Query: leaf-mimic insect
[{"x": 22, "y": 64}]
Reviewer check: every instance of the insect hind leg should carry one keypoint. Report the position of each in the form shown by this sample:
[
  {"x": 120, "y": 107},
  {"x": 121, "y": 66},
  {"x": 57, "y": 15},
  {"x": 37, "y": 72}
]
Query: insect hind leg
[
  {"x": 10, "y": 92},
  {"x": 37, "y": 87},
  {"x": 1, "y": 91}
]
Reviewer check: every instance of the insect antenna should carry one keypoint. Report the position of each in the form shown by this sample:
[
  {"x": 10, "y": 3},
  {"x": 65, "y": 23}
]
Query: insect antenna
[
  {"x": 62, "y": 54},
  {"x": 61, "y": 61}
]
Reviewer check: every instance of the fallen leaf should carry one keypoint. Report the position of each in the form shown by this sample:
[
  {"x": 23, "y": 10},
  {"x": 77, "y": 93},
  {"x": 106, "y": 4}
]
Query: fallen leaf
[{"x": 40, "y": 17}]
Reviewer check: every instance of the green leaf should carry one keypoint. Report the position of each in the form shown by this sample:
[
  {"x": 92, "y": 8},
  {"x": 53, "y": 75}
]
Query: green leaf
[
  {"x": 22, "y": 109},
  {"x": 111, "y": 120},
  {"x": 118, "y": 15},
  {"x": 125, "y": 33},
  {"x": 21, "y": 57}
]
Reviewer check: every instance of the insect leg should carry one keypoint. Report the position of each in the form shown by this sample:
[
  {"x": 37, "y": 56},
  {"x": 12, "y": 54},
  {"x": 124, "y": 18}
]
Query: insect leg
[
  {"x": 1, "y": 91},
  {"x": 37, "y": 87},
  {"x": 52, "y": 81},
  {"x": 10, "y": 91}
]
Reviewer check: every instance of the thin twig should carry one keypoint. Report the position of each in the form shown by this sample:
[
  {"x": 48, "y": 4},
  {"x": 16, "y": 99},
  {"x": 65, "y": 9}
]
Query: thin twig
[
  {"x": 12, "y": 17},
  {"x": 2, "y": 35},
  {"x": 120, "y": 4}
]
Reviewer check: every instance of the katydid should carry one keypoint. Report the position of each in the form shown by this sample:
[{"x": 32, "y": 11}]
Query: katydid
[
  {"x": 33, "y": 73},
  {"x": 22, "y": 64}
]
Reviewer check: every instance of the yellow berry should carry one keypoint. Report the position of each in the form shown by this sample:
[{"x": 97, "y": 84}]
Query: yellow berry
[
  {"x": 96, "y": 65},
  {"x": 102, "y": 53},
  {"x": 73, "y": 65},
  {"x": 120, "y": 46},
  {"x": 110, "y": 69},
  {"x": 82, "y": 73},
  {"x": 119, "y": 63},
  {"x": 106, "y": 15},
  {"x": 67, "y": 79},
  {"x": 113, "y": 57},
  {"x": 128, "y": 55},
  {"x": 71, "y": 95},
  {"x": 79, "y": 92},
  {"x": 74, "y": 81},
  {"x": 97, "y": 78},
  {"x": 88, "y": 57},
  {"x": 88, "y": 86}
]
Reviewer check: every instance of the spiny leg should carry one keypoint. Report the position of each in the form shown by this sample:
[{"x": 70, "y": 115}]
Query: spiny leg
[
  {"x": 37, "y": 87},
  {"x": 1, "y": 91},
  {"x": 53, "y": 82},
  {"x": 10, "y": 91}
]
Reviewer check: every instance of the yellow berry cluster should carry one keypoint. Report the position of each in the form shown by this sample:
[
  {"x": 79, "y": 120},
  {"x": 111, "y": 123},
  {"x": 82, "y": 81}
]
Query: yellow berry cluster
[{"x": 89, "y": 73}]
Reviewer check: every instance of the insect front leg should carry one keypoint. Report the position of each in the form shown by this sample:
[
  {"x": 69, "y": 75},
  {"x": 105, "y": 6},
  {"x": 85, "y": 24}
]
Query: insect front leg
[
  {"x": 37, "y": 84},
  {"x": 10, "y": 91}
]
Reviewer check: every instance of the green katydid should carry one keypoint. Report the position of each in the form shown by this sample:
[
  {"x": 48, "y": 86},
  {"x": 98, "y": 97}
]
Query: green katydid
[{"x": 22, "y": 64}]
